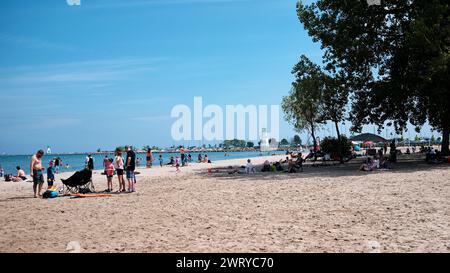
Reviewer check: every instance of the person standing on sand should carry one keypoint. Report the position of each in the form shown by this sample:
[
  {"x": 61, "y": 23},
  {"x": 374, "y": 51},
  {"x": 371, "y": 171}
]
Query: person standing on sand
[
  {"x": 177, "y": 163},
  {"x": 131, "y": 167},
  {"x": 149, "y": 158},
  {"x": 90, "y": 163},
  {"x": 109, "y": 172},
  {"x": 161, "y": 161},
  {"x": 183, "y": 156},
  {"x": 36, "y": 172},
  {"x": 105, "y": 162},
  {"x": 57, "y": 164},
  {"x": 119, "y": 165}
]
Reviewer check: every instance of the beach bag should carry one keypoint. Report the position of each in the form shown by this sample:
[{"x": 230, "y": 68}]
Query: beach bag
[{"x": 50, "y": 194}]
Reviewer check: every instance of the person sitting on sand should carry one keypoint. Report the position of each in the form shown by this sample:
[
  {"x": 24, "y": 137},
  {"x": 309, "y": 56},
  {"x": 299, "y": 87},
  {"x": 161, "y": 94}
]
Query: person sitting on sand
[
  {"x": 21, "y": 176},
  {"x": 279, "y": 166},
  {"x": 206, "y": 159},
  {"x": 369, "y": 166},
  {"x": 200, "y": 158},
  {"x": 297, "y": 165},
  {"x": 249, "y": 167},
  {"x": 171, "y": 162},
  {"x": 384, "y": 163},
  {"x": 266, "y": 167}
]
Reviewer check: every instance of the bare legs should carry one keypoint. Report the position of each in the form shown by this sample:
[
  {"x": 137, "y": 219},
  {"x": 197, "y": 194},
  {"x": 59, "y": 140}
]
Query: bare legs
[
  {"x": 37, "y": 188},
  {"x": 121, "y": 183}
]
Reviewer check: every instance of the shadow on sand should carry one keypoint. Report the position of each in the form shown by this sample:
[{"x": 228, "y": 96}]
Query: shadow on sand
[{"x": 406, "y": 165}]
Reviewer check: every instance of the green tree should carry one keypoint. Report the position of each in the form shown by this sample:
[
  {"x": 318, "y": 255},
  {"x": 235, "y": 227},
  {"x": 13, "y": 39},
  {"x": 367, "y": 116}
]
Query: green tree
[
  {"x": 337, "y": 148},
  {"x": 394, "y": 59},
  {"x": 302, "y": 106},
  {"x": 250, "y": 144},
  {"x": 236, "y": 143},
  {"x": 297, "y": 140},
  {"x": 284, "y": 142}
]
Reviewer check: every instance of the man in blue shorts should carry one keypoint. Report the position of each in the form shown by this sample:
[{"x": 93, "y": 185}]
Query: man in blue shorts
[{"x": 131, "y": 167}]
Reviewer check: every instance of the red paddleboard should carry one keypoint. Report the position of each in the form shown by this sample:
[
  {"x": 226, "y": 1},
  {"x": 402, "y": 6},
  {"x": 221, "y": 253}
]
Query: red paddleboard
[{"x": 90, "y": 195}]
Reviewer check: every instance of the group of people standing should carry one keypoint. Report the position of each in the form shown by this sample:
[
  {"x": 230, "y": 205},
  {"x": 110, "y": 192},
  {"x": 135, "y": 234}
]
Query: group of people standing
[{"x": 119, "y": 166}]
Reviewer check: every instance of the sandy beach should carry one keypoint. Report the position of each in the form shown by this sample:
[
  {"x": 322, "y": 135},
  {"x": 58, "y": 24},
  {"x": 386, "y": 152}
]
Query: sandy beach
[{"x": 323, "y": 209}]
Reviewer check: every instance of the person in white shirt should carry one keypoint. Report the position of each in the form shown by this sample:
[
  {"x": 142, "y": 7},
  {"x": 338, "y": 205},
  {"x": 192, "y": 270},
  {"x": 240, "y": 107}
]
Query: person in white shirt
[
  {"x": 249, "y": 167},
  {"x": 119, "y": 166}
]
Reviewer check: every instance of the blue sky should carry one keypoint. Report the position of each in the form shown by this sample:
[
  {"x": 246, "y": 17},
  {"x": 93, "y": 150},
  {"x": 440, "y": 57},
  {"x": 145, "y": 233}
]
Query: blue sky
[{"x": 108, "y": 72}]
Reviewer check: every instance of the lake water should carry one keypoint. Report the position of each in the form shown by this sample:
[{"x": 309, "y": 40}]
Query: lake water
[{"x": 76, "y": 162}]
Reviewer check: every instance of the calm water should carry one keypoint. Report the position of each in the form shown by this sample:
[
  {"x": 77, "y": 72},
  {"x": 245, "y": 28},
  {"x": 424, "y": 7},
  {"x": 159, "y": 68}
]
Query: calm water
[{"x": 76, "y": 162}]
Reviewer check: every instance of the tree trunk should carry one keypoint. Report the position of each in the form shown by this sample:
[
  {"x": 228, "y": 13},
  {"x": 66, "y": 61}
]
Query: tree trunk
[
  {"x": 313, "y": 136},
  {"x": 341, "y": 158},
  {"x": 445, "y": 140}
]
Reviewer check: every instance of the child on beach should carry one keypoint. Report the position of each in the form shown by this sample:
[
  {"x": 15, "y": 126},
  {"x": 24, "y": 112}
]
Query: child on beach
[
  {"x": 50, "y": 176},
  {"x": 161, "y": 161},
  {"x": 2, "y": 172},
  {"x": 177, "y": 163},
  {"x": 109, "y": 170},
  {"x": 249, "y": 167}
]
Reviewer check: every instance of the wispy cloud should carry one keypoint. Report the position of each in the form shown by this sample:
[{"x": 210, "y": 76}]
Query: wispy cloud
[
  {"x": 31, "y": 42},
  {"x": 96, "y": 72},
  {"x": 151, "y": 119},
  {"x": 136, "y": 3}
]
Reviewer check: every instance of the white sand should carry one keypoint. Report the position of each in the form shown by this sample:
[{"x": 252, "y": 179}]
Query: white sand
[{"x": 325, "y": 209}]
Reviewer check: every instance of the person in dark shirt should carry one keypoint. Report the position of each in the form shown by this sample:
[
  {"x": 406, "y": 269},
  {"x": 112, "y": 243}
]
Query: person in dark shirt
[
  {"x": 131, "y": 167},
  {"x": 90, "y": 163}
]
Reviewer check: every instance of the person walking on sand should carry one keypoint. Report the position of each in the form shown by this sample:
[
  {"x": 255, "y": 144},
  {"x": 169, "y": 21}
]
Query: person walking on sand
[
  {"x": 36, "y": 169},
  {"x": 131, "y": 167},
  {"x": 149, "y": 158},
  {"x": 119, "y": 165}
]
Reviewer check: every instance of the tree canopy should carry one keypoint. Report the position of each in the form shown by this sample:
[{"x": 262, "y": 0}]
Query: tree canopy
[{"x": 392, "y": 58}]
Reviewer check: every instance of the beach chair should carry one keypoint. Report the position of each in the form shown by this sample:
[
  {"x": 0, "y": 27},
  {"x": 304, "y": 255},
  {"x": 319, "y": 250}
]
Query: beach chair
[{"x": 80, "y": 182}]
